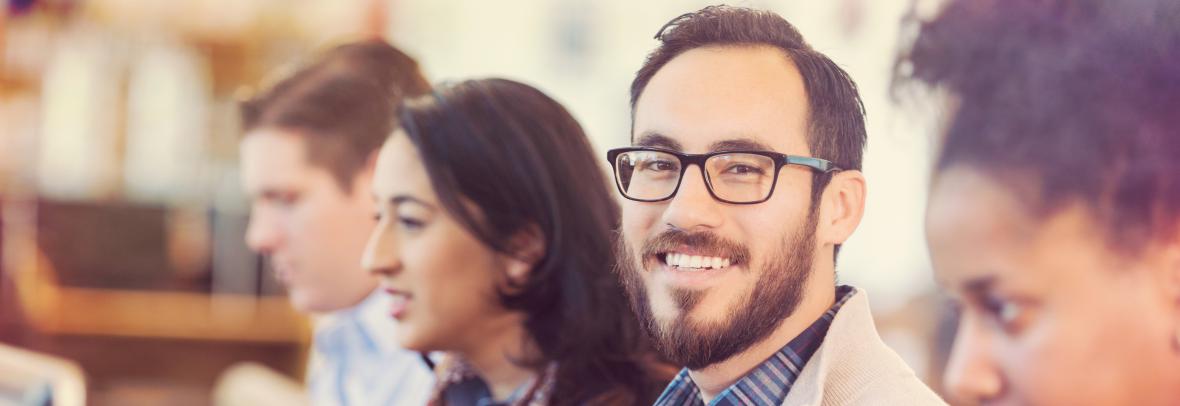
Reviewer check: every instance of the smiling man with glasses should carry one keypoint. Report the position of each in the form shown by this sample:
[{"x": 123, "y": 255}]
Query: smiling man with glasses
[{"x": 741, "y": 184}]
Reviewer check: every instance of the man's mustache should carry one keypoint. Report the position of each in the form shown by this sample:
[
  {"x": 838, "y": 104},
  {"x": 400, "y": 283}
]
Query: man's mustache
[{"x": 702, "y": 243}]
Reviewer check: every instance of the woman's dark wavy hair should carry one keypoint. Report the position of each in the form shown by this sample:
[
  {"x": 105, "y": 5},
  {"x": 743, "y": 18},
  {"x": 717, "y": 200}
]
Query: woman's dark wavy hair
[
  {"x": 1065, "y": 101},
  {"x": 506, "y": 159}
]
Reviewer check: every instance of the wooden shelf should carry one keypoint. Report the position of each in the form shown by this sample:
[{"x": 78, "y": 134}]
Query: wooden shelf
[{"x": 65, "y": 310}]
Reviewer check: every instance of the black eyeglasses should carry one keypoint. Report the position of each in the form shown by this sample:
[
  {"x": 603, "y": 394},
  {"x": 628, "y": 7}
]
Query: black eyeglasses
[{"x": 647, "y": 174}]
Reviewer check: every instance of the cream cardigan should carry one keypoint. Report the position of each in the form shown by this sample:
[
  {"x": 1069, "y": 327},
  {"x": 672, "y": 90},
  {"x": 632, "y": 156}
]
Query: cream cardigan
[{"x": 854, "y": 367}]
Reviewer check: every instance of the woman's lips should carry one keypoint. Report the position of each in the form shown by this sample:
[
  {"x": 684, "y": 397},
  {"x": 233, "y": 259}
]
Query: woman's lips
[{"x": 401, "y": 300}]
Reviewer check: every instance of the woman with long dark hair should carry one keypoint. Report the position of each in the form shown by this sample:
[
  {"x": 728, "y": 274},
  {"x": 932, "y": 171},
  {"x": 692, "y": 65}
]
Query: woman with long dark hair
[{"x": 494, "y": 237}]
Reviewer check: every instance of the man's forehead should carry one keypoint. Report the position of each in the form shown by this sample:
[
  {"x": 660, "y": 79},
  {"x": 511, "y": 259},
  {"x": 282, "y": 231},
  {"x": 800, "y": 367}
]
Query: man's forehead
[
  {"x": 717, "y": 94},
  {"x": 738, "y": 142},
  {"x": 260, "y": 179},
  {"x": 785, "y": 141},
  {"x": 273, "y": 159},
  {"x": 277, "y": 148}
]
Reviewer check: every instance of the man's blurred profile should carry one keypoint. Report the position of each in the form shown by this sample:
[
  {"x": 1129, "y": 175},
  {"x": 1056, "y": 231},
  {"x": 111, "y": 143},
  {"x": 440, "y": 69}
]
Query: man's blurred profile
[{"x": 307, "y": 160}]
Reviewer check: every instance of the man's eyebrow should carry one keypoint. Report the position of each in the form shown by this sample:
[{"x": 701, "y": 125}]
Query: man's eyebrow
[
  {"x": 654, "y": 139},
  {"x": 275, "y": 193},
  {"x": 739, "y": 144}
]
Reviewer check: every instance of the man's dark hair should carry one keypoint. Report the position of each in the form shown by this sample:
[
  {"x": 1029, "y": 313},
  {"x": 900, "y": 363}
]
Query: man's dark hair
[
  {"x": 344, "y": 104},
  {"x": 506, "y": 159},
  {"x": 1065, "y": 101},
  {"x": 836, "y": 113}
]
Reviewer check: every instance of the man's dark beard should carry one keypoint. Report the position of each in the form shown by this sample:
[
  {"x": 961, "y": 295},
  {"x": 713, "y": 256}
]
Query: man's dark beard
[{"x": 755, "y": 315}]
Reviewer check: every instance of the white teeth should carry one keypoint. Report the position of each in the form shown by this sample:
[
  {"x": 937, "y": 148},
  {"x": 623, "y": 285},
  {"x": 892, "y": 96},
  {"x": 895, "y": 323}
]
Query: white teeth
[
  {"x": 694, "y": 262},
  {"x": 399, "y": 300}
]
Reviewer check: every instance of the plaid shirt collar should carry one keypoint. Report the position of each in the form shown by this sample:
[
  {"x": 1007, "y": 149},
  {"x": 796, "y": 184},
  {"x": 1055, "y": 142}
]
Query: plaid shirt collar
[{"x": 769, "y": 383}]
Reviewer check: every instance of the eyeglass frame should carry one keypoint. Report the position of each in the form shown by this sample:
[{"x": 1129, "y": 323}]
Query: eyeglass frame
[{"x": 819, "y": 165}]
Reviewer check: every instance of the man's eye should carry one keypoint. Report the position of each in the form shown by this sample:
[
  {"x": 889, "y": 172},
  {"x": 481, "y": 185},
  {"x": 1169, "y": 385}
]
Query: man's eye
[
  {"x": 657, "y": 166},
  {"x": 739, "y": 169},
  {"x": 282, "y": 199}
]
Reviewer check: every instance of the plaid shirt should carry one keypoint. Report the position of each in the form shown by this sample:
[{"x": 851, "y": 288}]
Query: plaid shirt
[{"x": 769, "y": 383}]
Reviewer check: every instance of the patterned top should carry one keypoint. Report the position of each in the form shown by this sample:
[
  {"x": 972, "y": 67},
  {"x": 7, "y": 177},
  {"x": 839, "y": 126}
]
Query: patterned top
[
  {"x": 460, "y": 385},
  {"x": 769, "y": 383}
]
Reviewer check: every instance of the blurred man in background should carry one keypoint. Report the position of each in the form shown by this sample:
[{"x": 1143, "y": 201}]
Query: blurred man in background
[
  {"x": 307, "y": 160},
  {"x": 1054, "y": 214}
]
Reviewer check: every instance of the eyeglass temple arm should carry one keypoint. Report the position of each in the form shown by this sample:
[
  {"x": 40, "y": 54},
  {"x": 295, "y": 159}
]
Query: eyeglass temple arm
[{"x": 822, "y": 165}]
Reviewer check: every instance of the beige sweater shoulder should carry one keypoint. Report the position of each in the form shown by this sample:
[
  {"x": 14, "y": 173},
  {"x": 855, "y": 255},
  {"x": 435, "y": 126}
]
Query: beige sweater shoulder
[{"x": 854, "y": 367}]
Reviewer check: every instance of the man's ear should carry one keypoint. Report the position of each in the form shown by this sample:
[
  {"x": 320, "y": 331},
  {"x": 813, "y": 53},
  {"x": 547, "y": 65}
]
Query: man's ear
[
  {"x": 371, "y": 162},
  {"x": 363, "y": 181},
  {"x": 841, "y": 207},
  {"x": 528, "y": 248},
  {"x": 1169, "y": 272},
  {"x": 1169, "y": 282}
]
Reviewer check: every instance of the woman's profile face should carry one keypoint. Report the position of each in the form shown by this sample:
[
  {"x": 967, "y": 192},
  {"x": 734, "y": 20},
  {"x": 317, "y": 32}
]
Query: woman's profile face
[
  {"x": 1049, "y": 313},
  {"x": 443, "y": 280}
]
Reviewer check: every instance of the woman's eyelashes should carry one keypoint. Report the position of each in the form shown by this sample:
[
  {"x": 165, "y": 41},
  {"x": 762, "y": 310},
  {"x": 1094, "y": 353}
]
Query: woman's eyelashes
[
  {"x": 404, "y": 221},
  {"x": 1009, "y": 314},
  {"x": 410, "y": 223}
]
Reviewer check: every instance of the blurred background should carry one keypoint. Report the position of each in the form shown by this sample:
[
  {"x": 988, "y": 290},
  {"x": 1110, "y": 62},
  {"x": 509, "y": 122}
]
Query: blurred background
[{"x": 122, "y": 218}]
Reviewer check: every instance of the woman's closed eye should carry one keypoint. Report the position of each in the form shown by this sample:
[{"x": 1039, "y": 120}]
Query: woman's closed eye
[{"x": 410, "y": 223}]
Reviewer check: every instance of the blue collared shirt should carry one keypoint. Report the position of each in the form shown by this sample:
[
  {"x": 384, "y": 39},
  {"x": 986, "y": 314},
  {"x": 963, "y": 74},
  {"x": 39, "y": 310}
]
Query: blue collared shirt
[
  {"x": 355, "y": 360},
  {"x": 769, "y": 383}
]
